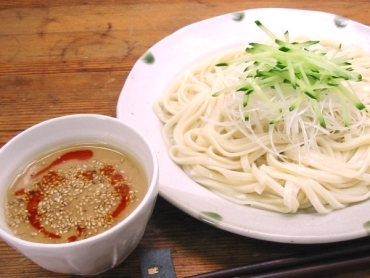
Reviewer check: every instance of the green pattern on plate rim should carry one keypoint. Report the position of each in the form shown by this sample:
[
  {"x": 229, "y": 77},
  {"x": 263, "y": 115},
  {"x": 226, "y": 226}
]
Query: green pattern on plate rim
[
  {"x": 148, "y": 58},
  {"x": 340, "y": 21},
  {"x": 367, "y": 227},
  {"x": 210, "y": 217},
  {"x": 238, "y": 16}
]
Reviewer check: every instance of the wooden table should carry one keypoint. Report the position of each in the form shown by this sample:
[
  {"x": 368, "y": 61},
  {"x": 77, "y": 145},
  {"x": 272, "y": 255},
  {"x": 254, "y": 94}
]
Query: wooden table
[{"x": 72, "y": 56}]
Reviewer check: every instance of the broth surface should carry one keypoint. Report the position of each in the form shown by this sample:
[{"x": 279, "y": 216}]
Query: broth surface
[{"x": 74, "y": 193}]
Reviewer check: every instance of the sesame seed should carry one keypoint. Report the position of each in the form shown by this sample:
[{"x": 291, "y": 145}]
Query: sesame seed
[{"x": 73, "y": 197}]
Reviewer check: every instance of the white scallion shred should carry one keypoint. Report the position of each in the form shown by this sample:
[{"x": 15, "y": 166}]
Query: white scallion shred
[{"x": 296, "y": 90}]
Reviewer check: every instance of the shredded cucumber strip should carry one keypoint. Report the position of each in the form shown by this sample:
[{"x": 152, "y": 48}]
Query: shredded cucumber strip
[{"x": 309, "y": 72}]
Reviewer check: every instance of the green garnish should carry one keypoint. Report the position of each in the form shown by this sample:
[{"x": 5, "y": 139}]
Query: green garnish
[{"x": 308, "y": 71}]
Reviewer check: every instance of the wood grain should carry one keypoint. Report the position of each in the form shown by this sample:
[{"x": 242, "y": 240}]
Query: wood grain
[{"x": 73, "y": 56}]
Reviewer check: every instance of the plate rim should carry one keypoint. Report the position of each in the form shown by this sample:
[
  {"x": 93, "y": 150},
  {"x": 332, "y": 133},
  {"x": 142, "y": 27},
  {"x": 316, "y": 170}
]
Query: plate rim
[{"x": 192, "y": 211}]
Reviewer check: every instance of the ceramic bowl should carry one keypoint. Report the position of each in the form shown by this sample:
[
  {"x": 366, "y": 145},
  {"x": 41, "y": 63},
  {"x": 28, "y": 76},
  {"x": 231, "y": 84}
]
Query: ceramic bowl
[{"x": 103, "y": 251}]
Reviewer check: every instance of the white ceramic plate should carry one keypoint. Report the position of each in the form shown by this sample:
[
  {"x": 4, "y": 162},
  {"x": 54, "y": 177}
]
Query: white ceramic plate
[{"x": 153, "y": 73}]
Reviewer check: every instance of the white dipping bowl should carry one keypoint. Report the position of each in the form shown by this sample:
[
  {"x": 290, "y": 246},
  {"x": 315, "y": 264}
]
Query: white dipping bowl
[{"x": 106, "y": 250}]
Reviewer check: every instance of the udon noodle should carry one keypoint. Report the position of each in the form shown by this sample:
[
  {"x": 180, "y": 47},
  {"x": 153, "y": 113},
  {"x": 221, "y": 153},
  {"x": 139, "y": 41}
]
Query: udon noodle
[{"x": 292, "y": 165}]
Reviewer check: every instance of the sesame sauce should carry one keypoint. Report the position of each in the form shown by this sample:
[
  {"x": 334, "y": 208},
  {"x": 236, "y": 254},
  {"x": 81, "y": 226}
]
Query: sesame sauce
[{"x": 75, "y": 196}]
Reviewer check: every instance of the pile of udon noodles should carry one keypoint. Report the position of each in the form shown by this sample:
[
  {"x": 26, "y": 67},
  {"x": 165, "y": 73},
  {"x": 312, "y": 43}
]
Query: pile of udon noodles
[{"x": 291, "y": 166}]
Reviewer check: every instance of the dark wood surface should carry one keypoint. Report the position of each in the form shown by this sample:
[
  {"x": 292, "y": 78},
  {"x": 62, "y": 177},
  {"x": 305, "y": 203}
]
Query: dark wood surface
[{"x": 73, "y": 56}]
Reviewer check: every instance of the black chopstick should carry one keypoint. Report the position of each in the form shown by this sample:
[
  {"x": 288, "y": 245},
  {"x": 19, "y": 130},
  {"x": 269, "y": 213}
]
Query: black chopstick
[
  {"x": 319, "y": 269},
  {"x": 357, "y": 254}
]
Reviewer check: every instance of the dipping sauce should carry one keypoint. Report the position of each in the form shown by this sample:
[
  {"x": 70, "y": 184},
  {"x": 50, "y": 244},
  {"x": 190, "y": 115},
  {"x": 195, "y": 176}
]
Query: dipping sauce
[{"x": 74, "y": 193}]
